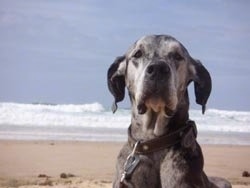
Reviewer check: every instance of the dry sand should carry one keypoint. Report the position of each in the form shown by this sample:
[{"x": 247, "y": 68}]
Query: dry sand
[{"x": 92, "y": 163}]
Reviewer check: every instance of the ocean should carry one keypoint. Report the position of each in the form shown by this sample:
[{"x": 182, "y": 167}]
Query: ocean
[{"x": 93, "y": 122}]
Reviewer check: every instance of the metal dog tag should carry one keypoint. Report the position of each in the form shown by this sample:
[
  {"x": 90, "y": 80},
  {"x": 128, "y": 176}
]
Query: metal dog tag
[{"x": 131, "y": 164}]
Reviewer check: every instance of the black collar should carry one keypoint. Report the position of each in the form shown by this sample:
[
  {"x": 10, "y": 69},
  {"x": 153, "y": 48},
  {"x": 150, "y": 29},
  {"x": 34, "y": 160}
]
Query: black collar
[{"x": 185, "y": 135}]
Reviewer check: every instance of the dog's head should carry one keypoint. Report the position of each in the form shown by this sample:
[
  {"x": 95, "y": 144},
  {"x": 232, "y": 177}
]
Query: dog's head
[{"x": 156, "y": 71}]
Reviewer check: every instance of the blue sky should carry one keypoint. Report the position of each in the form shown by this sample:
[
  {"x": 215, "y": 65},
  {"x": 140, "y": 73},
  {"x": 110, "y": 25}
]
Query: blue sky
[{"x": 59, "y": 51}]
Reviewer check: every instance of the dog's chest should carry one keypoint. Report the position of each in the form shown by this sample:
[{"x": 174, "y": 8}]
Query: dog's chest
[{"x": 172, "y": 169}]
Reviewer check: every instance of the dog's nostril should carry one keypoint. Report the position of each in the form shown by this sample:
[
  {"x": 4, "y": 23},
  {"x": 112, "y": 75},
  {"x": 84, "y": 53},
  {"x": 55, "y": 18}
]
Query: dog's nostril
[{"x": 150, "y": 69}]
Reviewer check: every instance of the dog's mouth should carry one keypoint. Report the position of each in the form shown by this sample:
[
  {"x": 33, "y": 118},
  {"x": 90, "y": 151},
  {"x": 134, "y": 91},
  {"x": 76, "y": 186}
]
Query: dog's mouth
[
  {"x": 156, "y": 103},
  {"x": 142, "y": 109}
]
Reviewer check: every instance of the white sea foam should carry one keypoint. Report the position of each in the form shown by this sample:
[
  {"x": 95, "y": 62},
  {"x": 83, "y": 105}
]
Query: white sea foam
[
  {"x": 86, "y": 115},
  {"x": 94, "y": 122}
]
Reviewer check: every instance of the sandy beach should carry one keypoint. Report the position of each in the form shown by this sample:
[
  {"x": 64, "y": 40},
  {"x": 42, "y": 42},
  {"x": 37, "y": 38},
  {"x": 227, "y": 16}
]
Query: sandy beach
[{"x": 91, "y": 164}]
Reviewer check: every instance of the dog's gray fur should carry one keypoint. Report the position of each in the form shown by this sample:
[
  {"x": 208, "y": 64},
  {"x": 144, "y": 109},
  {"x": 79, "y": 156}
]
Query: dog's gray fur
[{"x": 157, "y": 70}]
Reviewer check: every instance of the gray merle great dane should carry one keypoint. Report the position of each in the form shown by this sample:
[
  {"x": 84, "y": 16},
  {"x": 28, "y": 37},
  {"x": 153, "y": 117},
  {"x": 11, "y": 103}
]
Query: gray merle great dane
[{"x": 161, "y": 151}]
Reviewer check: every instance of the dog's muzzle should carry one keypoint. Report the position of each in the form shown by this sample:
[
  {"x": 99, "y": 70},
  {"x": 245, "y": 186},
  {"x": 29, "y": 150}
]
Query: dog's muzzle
[{"x": 155, "y": 86}]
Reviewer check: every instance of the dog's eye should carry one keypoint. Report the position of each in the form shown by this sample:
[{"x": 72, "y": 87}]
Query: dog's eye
[
  {"x": 137, "y": 54},
  {"x": 175, "y": 56}
]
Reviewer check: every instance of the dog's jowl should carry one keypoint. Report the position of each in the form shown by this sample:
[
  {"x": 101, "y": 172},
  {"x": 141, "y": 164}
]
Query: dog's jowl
[{"x": 162, "y": 150}]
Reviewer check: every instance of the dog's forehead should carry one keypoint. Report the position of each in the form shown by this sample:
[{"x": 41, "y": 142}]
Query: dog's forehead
[{"x": 160, "y": 43}]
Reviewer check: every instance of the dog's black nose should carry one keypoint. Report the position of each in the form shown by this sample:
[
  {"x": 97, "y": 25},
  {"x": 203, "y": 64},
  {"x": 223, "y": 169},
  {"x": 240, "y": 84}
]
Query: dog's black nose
[{"x": 158, "y": 70}]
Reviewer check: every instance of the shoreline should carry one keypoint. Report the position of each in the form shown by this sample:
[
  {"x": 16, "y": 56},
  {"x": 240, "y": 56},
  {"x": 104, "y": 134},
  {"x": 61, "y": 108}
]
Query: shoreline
[
  {"x": 93, "y": 163},
  {"x": 29, "y": 133}
]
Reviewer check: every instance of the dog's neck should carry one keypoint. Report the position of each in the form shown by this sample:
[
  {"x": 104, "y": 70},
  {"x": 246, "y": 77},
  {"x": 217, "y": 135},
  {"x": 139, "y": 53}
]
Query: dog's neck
[{"x": 151, "y": 124}]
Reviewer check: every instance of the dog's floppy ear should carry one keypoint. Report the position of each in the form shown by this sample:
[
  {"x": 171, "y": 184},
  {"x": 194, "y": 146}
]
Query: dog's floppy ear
[
  {"x": 116, "y": 80},
  {"x": 202, "y": 84}
]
